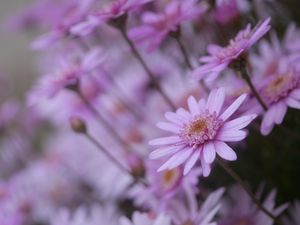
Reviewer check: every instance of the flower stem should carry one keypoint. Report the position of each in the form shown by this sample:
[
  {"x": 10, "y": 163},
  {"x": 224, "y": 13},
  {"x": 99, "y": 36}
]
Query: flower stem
[
  {"x": 238, "y": 179},
  {"x": 246, "y": 77},
  {"x": 147, "y": 69},
  {"x": 184, "y": 53},
  {"x": 104, "y": 123}
]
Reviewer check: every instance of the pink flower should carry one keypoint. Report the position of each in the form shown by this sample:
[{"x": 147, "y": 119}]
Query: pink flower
[
  {"x": 144, "y": 218},
  {"x": 201, "y": 132},
  {"x": 115, "y": 10},
  {"x": 156, "y": 26},
  {"x": 221, "y": 57},
  {"x": 280, "y": 91}
]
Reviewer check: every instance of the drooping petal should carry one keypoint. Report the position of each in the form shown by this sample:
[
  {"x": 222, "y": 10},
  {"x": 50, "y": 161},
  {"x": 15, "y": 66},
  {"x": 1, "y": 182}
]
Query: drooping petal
[
  {"x": 233, "y": 107},
  {"x": 224, "y": 151},
  {"x": 268, "y": 120},
  {"x": 161, "y": 152},
  {"x": 281, "y": 111},
  {"x": 191, "y": 162},
  {"x": 205, "y": 167},
  {"x": 176, "y": 160},
  {"x": 209, "y": 152}
]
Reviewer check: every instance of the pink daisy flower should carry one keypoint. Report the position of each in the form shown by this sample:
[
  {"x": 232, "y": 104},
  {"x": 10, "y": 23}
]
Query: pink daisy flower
[
  {"x": 156, "y": 26},
  {"x": 201, "y": 132},
  {"x": 221, "y": 57},
  {"x": 280, "y": 91}
]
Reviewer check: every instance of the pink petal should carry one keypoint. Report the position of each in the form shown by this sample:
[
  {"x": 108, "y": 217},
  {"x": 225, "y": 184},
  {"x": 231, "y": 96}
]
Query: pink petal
[
  {"x": 233, "y": 107},
  {"x": 215, "y": 100},
  {"x": 225, "y": 151},
  {"x": 161, "y": 152},
  {"x": 168, "y": 127},
  {"x": 165, "y": 140},
  {"x": 205, "y": 167},
  {"x": 268, "y": 120},
  {"x": 176, "y": 160},
  {"x": 231, "y": 136},
  {"x": 191, "y": 162},
  {"x": 238, "y": 123},
  {"x": 193, "y": 105},
  {"x": 293, "y": 103},
  {"x": 295, "y": 94},
  {"x": 281, "y": 111},
  {"x": 183, "y": 113},
  {"x": 174, "y": 118},
  {"x": 209, "y": 152}
]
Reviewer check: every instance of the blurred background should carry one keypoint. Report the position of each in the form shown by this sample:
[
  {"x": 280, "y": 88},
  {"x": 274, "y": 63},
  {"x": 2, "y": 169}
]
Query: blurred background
[{"x": 16, "y": 59}]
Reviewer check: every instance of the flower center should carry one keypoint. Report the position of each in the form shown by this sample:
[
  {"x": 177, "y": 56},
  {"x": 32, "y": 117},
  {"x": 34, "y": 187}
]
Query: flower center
[
  {"x": 201, "y": 128},
  {"x": 280, "y": 87},
  {"x": 170, "y": 178}
]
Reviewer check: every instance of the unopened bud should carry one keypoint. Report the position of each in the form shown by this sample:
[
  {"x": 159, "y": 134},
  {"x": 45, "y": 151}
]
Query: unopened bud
[{"x": 77, "y": 124}]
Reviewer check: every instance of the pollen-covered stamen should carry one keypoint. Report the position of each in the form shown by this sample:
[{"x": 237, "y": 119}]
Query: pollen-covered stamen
[
  {"x": 201, "y": 128},
  {"x": 280, "y": 87}
]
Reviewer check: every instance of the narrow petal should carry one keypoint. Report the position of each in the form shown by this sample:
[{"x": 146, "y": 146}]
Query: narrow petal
[
  {"x": 205, "y": 167},
  {"x": 281, "y": 111},
  {"x": 176, "y": 160},
  {"x": 161, "y": 152},
  {"x": 239, "y": 123},
  {"x": 231, "y": 136},
  {"x": 165, "y": 140},
  {"x": 174, "y": 118},
  {"x": 169, "y": 127},
  {"x": 295, "y": 94},
  {"x": 233, "y": 107},
  {"x": 293, "y": 103},
  {"x": 215, "y": 100},
  {"x": 209, "y": 152},
  {"x": 193, "y": 105},
  {"x": 268, "y": 121},
  {"x": 191, "y": 162},
  {"x": 224, "y": 151}
]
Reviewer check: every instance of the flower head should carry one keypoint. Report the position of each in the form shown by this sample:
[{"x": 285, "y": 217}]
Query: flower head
[
  {"x": 280, "y": 91},
  {"x": 201, "y": 132},
  {"x": 156, "y": 26},
  {"x": 221, "y": 57}
]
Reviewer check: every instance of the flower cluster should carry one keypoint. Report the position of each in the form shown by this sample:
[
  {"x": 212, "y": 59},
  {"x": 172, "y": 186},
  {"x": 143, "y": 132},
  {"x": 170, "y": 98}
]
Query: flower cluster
[{"x": 214, "y": 76}]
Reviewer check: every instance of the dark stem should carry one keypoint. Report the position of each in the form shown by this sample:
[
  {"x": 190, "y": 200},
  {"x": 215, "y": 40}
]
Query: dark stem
[
  {"x": 238, "y": 179},
  {"x": 104, "y": 123},
  {"x": 184, "y": 53},
  {"x": 246, "y": 77},
  {"x": 106, "y": 152},
  {"x": 147, "y": 69}
]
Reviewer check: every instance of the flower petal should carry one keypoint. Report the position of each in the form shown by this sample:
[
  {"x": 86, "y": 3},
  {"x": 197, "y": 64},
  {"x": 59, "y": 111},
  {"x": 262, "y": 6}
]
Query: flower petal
[
  {"x": 165, "y": 140},
  {"x": 176, "y": 160},
  {"x": 239, "y": 123},
  {"x": 233, "y": 107},
  {"x": 168, "y": 127},
  {"x": 193, "y": 105},
  {"x": 231, "y": 136},
  {"x": 209, "y": 152},
  {"x": 191, "y": 162},
  {"x": 293, "y": 103},
  {"x": 215, "y": 100},
  {"x": 161, "y": 152},
  {"x": 224, "y": 151}
]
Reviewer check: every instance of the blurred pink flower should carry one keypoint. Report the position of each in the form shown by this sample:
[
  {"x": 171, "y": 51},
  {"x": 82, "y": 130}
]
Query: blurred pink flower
[
  {"x": 156, "y": 26},
  {"x": 201, "y": 132},
  {"x": 280, "y": 91},
  {"x": 220, "y": 57},
  {"x": 114, "y": 10},
  {"x": 146, "y": 219}
]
